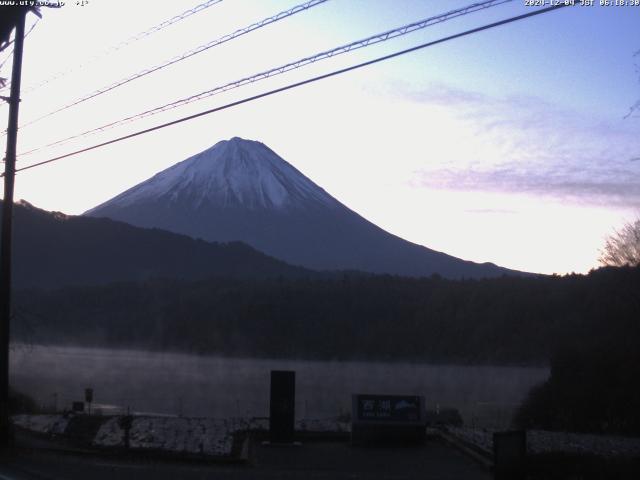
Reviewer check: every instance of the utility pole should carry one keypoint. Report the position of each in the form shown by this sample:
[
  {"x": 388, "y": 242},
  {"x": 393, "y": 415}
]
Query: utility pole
[{"x": 7, "y": 219}]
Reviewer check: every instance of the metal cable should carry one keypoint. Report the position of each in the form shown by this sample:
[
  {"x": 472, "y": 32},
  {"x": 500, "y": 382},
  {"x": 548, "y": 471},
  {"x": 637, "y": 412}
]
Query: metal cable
[
  {"x": 378, "y": 38},
  {"x": 243, "y": 31},
  {"x": 10, "y": 54},
  {"x": 298, "y": 84},
  {"x": 125, "y": 43}
]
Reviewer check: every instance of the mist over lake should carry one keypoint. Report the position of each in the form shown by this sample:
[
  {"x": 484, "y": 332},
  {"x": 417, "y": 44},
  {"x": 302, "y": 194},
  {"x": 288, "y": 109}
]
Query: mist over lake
[{"x": 210, "y": 386}]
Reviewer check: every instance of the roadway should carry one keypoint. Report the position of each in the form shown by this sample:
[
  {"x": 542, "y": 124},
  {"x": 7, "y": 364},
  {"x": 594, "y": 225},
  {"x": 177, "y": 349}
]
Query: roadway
[{"x": 310, "y": 461}]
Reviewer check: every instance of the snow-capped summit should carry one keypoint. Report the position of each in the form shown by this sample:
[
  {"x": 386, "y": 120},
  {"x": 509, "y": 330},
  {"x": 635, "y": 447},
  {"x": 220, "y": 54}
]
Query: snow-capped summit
[
  {"x": 241, "y": 190},
  {"x": 236, "y": 172}
]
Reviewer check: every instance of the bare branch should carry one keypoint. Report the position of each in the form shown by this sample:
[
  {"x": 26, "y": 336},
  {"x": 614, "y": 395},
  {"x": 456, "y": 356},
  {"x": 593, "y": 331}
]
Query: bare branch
[{"x": 622, "y": 248}]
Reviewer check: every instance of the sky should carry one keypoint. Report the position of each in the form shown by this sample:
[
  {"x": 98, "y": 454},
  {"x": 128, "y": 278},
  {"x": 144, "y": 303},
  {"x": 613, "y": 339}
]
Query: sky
[{"x": 515, "y": 145}]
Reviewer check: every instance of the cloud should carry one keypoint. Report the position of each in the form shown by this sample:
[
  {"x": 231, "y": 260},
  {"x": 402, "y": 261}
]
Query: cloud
[
  {"x": 616, "y": 191},
  {"x": 498, "y": 211},
  {"x": 536, "y": 148}
]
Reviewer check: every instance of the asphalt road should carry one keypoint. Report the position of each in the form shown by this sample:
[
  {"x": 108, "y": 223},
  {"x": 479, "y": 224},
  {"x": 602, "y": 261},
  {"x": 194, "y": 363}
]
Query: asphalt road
[{"x": 317, "y": 460}]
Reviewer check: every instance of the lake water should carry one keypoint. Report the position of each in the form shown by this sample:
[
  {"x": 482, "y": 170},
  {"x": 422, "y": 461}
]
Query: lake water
[{"x": 191, "y": 385}]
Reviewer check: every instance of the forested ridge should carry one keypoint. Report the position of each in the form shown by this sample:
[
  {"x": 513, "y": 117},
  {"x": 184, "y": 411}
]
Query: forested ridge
[{"x": 507, "y": 320}]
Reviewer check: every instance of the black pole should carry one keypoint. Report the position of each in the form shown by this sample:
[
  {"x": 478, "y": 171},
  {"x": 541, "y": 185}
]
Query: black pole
[{"x": 7, "y": 218}]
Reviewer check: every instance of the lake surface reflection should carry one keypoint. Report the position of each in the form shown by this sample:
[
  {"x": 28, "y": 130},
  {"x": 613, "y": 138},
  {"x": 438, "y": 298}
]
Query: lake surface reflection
[{"x": 192, "y": 385}]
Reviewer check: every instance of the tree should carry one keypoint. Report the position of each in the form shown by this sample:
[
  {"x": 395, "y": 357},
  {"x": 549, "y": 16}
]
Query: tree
[{"x": 622, "y": 247}]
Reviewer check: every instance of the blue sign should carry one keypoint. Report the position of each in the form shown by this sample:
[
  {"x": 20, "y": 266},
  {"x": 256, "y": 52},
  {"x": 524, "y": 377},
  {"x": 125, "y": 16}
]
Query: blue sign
[{"x": 392, "y": 408}]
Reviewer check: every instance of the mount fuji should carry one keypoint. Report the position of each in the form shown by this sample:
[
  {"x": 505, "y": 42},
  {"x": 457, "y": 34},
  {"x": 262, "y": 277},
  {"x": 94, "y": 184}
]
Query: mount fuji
[{"x": 242, "y": 190}]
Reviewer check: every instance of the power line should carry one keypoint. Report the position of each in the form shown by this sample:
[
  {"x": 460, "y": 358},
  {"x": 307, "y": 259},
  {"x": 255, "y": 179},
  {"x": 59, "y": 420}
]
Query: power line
[
  {"x": 362, "y": 43},
  {"x": 226, "y": 38},
  {"x": 10, "y": 54},
  {"x": 127, "y": 42},
  {"x": 164, "y": 24},
  {"x": 299, "y": 84},
  {"x": 6, "y": 45}
]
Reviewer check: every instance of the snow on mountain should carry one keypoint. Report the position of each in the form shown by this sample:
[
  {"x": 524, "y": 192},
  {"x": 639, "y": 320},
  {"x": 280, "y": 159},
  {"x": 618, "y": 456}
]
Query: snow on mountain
[
  {"x": 241, "y": 190},
  {"x": 233, "y": 172}
]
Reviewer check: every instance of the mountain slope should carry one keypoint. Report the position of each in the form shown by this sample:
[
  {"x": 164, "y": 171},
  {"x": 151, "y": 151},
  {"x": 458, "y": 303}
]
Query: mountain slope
[
  {"x": 52, "y": 249},
  {"x": 242, "y": 190}
]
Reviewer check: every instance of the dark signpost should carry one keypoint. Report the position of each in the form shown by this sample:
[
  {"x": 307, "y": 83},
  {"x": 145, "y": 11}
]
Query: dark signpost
[
  {"x": 88, "y": 397},
  {"x": 387, "y": 418},
  {"x": 282, "y": 406},
  {"x": 509, "y": 455},
  {"x": 125, "y": 422}
]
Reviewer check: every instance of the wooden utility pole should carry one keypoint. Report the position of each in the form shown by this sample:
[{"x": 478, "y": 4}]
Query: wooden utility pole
[{"x": 6, "y": 234}]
